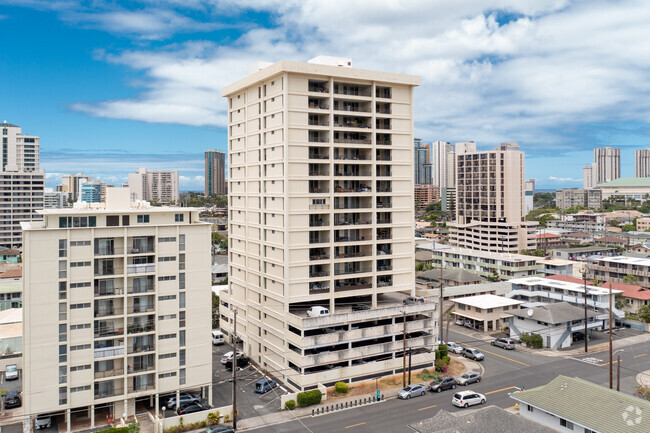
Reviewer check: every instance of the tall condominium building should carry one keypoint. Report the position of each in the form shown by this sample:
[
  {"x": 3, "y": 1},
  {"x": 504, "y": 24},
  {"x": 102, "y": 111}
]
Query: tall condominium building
[
  {"x": 425, "y": 195},
  {"x": 589, "y": 176},
  {"x": 321, "y": 216},
  {"x": 443, "y": 161},
  {"x": 116, "y": 303},
  {"x": 72, "y": 183},
  {"x": 490, "y": 204},
  {"x": 91, "y": 192},
  {"x": 56, "y": 199},
  {"x": 607, "y": 164},
  {"x": 571, "y": 197},
  {"x": 530, "y": 195},
  {"x": 22, "y": 183},
  {"x": 215, "y": 173},
  {"x": 158, "y": 186},
  {"x": 642, "y": 163},
  {"x": 422, "y": 165}
]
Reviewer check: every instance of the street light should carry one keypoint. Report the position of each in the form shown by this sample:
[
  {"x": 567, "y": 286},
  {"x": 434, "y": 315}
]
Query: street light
[{"x": 618, "y": 369}]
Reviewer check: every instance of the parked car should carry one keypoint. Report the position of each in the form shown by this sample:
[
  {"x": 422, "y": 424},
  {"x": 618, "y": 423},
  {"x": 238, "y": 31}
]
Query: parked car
[
  {"x": 263, "y": 386},
  {"x": 468, "y": 378},
  {"x": 442, "y": 383},
  {"x": 360, "y": 307},
  {"x": 219, "y": 429},
  {"x": 504, "y": 343},
  {"x": 185, "y": 399},
  {"x": 12, "y": 399},
  {"x": 217, "y": 338},
  {"x": 241, "y": 362},
  {"x": 11, "y": 373},
  {"x": 454, "y": 348},
  {"x": 468, "y": 398},
  {"x": 580, "y": 336},
  {"x": 194, "y": 407},
  {"x": 318, "y": 311},
  {"x": 459, "y": 322},
  {"x": 43, "y": 422},
  {"x": 413, "y": 300},
  {"x": 467, "y": 324},
  {"x": 471, "y": 353},
  {"x": 228, "y": 356},
  {"x": 415, "y": 390}
]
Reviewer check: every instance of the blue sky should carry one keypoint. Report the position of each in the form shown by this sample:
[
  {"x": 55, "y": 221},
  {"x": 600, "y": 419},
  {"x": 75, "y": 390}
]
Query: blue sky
[{"x": 111, "y": 86}]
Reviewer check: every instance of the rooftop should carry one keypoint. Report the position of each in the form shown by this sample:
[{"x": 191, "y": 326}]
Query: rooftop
[
  {"x": 564, "y": 285},
  {"x": 499, "y": 288},
  {"x": 559, "y": 398},
  {"x": 485, "y": 419},
  {"x": 560, "y": 312},
  {"x": 585, "y": 249},
  {"x": 11, "y": 315},
  {"x": 486, "y": 254},
  {"x": 629, "y": 290},
  {"x": 9, "y": 125},
  {"x": 626, "y": 181},
  {"x": 458, "y": 275},
  {"x": 487, "y": 301},
  {"x": 627, "y": 260}
]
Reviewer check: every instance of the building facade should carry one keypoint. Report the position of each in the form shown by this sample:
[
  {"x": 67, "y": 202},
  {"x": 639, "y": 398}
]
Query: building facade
[
  {"x": 529, "y": 196},
  {"x": 443, "y": 164},
  {"x": 158, "y": 186},
  {"x": 572, "y": 197},
  {"x": 117, "y": 306},
  {"x": 215, "y": 173},
  {"x": 642, "y": 163},
  {"x": 321, "y": 215},
  {"x": 56, "y": 199},
  {"x": 580, "y": 222},
  {"x": 607, "y": 166},
  {"x": 422, "y": 165},
  {"x": 425, "y": 195},
  {"x": 490, "y": 190},
  {"x": 22, "y": 183},
  {"x": 91, "y": 192}
]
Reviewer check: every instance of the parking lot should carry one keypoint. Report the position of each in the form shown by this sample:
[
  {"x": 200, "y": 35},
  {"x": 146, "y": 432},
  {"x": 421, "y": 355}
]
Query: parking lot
[
  {"x": 249, "y": 403},
  {"x": 13, "y": 385}
]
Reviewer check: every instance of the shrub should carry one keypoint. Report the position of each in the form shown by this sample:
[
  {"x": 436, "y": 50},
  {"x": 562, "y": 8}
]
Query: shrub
[
  {"x": 341, "y": 387},
  {"x": 442, "y": 349},
  {"x": 134, "y": 427},
  {"x": 441, "y": 366},
  {"x": 213, "y": 418},
  {"x": 291, "y": 405},
  {"x": 308, "y": 398},
  {"x": 533, "y": 340},
  {"x": 428, "y": 375},
  {"x": 115, "y": 430}
]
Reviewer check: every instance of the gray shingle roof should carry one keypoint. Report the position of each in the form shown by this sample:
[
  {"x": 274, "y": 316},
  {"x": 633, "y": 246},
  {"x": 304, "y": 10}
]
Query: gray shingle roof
[
  {"x": 423, "y": 256},
  {"x": 458, "y": 275},
  {"x": 484, "y": 420},
  {"x": 589, "y": 405},
  {"x": 560, "y": 312}
]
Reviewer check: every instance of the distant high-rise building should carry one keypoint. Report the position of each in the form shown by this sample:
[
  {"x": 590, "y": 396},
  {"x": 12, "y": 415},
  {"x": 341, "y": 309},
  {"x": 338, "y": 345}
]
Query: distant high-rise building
[
  {"x": 215, "y": 172},
  {"x": 642, "y": 163},
  {"x": 607, "y": 162},
  {"x": 56, "y": 199},
  {"x": 72, "y": 183},
  {"x": 589, "y": 176},
  {"x": 490, "y": 188},
  {"x": 91, "y": 192},
  {"x": 571, "y": 197},
  {"x": 530, "y": 193},
  {"x": 443, "y": 164},
  {"x": 422, "y": 163},
  {"x": 22, "y": 183},
  {"x": 157, "y": 186},
  {"x": 425, "y": 195}
]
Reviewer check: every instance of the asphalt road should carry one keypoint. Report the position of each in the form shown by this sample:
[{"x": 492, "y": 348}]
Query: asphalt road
[{"x": 504, "y": 372}]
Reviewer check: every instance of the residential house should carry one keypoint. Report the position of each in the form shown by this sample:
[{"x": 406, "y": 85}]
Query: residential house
[
  {"x": 612, "y": 241},
  {"x": 577, "y": 238},
  {"x": 643, "y": 249},
  {"x": 571, "y": 405}
]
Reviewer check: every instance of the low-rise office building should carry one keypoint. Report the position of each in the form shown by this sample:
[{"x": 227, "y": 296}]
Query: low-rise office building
[
  {"x": 487, "y": 264},
  {"x": 571, "y": 404},
  {"x": 487, "y": 313}
]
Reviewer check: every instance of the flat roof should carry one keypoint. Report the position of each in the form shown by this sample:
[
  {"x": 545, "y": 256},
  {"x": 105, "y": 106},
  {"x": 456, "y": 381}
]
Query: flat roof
[
  {"x": 564, "y": 285},
  {"x": 487, "y": 301},
  {"x": 318, "y": 69},
  {"x": 132, "y": 210},
  {"x": 627, "y": 260},
  {"x": 487, "y": 254},
  {"x": 584, "y": 249}
]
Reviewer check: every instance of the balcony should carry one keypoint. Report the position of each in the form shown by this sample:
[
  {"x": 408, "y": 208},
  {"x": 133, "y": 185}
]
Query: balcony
[
  {"x": 351, "y": 122},
  {"x": 317, "y": 137},
  {"x": 108, "y": 271},
  {"x": 384, "y": 205},
  {"x": 139, "y": 326},
  {"x": 350, "y": 255},
  {"x": 141, "y": 344},
  {"x": 318, "y": 254},
  {"x": 140, "y": 268},
  {"x": 318, "y": 155},
  {"x": 108, "y": 352},
  {"x": 352, "y": 89},
  {"x": 108, "y": 389},
  {"x": 319, "y": 287},
  {"x": 384, "y": 252},
  {"x": 352, "y": 138},
  {"x": 318, "y": 274},
  {"x": 319, "y": 87},
  {"x": 344, "y": 285},
  {"x": 109, "y": 373},
  {"x": 108, "y": 328},
  {"x": 107, "y": 311},
  {"x": 141, "y": 387},
  {"x": 319, "y": 206},
  {"x": 107, "y": 291},
  {"x": 108, "y": 251}
]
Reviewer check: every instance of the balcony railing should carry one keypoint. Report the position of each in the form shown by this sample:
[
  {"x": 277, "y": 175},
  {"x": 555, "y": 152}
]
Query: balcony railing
[
  {"x": 346, "y": 287},
  {"x": 140, "y": 368},
  {"x": 319, "y": 89},
  {"x": 143, "y": 387},
  {"x": 103, "y": 312},
  {"x": 319, "y": 289},
  {"x": 351, "y": 157},
  {"x": 353, "y": 140},
  {"x": 107, "y": 352},
  {"x": 319, "y": 140},
  {"x": 384, "y": 252},
  {"x": 384, "y": 283},
  {"x": 384, "y": 205},
  {"x": 108, "y": 331},
  {"x": 384, "y": 142},
  {"x": 351, "y": 125},
  {"x": 319, "y": 274},
  {"x": 109, "y": 373},
  {"x": 141, "y": 268},
  {"x": 381, "y": 268},
  {"x": 108, "y": 392},
  {"x": 109, "y": 271},
  {"x": 109, "y": 251},
  {"x": 319, "y": 206},
  {"x": 350, "y": 271},
  {"x": 350, "y": 223},
  {"x": 135, "y": 329},
  {"x": 140, "y": 289},
  {"x": 350, "y": 255},
  {"x": 322, "y": 256},
  {"x": 319, "y": 190},
  {"x": 141, "y": 250},
  {"x": 116, "y": 291},
  {"x": 384, "y": 221},
  {"x": 140, "y": 348},
  {"x": 140, "y": 309},
  {"x": 319, "y": 106},
  {"x": 318, "y": 156},
  {"x": 318, "y": 223}
]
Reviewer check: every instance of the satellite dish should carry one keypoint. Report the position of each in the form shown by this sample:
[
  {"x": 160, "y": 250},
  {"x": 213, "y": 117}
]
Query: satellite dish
[{"x": 530, "y": 312}]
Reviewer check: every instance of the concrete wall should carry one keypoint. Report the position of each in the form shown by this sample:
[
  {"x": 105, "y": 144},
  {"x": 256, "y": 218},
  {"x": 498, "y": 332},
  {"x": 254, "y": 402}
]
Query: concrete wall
[
  {"x": 165, "y": 423},
  {"x": 547, "y": 419}
]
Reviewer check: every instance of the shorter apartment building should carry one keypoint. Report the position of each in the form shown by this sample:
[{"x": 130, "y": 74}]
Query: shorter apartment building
[
  {"x": 580, "y": 222},
  {"x": 547, "y": 241},
  {"x": 553, "y": 266},
  {"x": 450, "y": 278},
  {"x": 614, "y": 269},
  {"x": 487, "y": 313},
  {"x": 643, "y": 224},
  {"x": 572, "y": 405},
  {"x": 557, "y": 323},
  {"x": 572, "y": 197},
  {"x": 548, "y": 290},
  {"x": 584, "y": 253},
  {"x": 425, "y": 195},
  {"x": 577, "y": 238},
  {"x": 626, "y": 188},
  {"x": 611, "y": 241},
  {"x": 487, "y": 264}
]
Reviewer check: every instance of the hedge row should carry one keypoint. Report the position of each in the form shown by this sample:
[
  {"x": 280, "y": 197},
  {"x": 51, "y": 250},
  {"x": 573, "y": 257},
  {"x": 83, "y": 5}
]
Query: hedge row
[{"x": 308, "y": 398}]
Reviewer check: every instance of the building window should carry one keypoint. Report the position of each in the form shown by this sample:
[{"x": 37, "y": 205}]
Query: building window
[
  {"x": 63, "y": 290},
  {"x": 181, "y": 338},
  {"x": 63, "y": 353},
  {"x": 181, "y": 281},
  {"x": 167, "y": 259},
  {"x": 178, "y": 217},
  {"x": 566, "y": 424},
  {"x": 181, "y": 376},
  {"x": 166, "y": 336},
  {"x": 80, "y": 367},
  {"x": 112, "y": 220},
  {"x": 181, "y": 262},
  {"x": 181, "y": 300},
  {"x": 63, "y": 248},
  {"x": 63, "y": 333},
  {"x": 143, "y": 219},
  {"x": 181, "y": 319},
  {"x": 63, "y": 272},
  {"x": 63, "y": 395},
  {"x": 167, "y": 317},
  {"x": 164, "y": 375},
  {"x": 529, "y": 408},
  {"x": 167, "y": 355},
  {"x": 80, "y": 347},
  {"x": 80, "y": 388},
  {"x": 166, "y": 298},
  {"x": 181, "y": 357},
  {"x": 63, "y": 311},
  {"x": 181, "y": 242}
]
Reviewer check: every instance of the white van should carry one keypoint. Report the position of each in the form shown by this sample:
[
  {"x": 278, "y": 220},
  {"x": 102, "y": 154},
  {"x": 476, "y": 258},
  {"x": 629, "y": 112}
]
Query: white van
[
  {"x": 217, "y": 338},
  {"x": 318, "y": 311}
]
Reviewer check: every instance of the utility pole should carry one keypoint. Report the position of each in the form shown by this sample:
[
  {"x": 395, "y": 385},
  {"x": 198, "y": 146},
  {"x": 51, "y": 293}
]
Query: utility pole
[
  {"x": 410, "y": 352},
  {"x": 440, "y": 306},
  {"x": 618, "y": 373},
  {"x": 404, "y": 356},
  {"x": 234, "y": 370},
  {"x": 611, "y": 378},
  {"x": 584, "y": 277}
]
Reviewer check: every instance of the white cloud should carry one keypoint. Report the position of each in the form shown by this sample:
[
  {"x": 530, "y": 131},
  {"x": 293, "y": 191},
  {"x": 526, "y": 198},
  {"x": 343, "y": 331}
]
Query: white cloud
[{"x": 563, "y": 179}]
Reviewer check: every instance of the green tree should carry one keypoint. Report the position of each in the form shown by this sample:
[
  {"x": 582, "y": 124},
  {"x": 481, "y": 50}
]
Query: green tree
[
  {"x": 544, "y": 200},
  {"x": 630, "y": 279},
  {"x": 215, "y": 311},
  {"x": 619, "y": 301},
  {"x": 436, "y": 206},
  {"x": 628, "y": 227},
  {"x": 537, "y": 253},
  {"x": 644, "y": 313}
]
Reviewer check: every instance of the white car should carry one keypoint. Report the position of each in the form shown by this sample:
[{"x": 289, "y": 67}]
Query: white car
[
  {"x": 468, "y": 398},
  {"x": 318, "y": 311},
  {"x": 454, "y": 348},
  {"x": 228, "y": 356},
  {"x": 12, "y": 372}
]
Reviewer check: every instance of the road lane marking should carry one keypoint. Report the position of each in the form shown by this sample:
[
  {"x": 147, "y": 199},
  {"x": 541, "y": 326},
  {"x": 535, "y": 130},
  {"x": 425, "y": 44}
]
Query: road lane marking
[
  {"x": 607, "y": 363},
  {"x": 502, "y": 389},
  {"x": 428, "y": 407},
  {"x": 639, "y": 356},
  {"x": 356, "y": 425},
  {"x": 500, "y": 356}
]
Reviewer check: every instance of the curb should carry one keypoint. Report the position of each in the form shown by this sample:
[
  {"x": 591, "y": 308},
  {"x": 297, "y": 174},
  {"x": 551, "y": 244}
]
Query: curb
[{"x": 643, "y": 378}]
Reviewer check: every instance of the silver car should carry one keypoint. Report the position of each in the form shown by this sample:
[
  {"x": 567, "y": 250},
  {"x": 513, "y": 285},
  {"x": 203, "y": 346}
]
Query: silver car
[
  {"x": 454, "y": 348},
  {"x": 469, "y": 377},
  {"x": 504, "y": 343},
  {"x": 415, "y": 390},
  {"x": 43, "y": 422}
]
